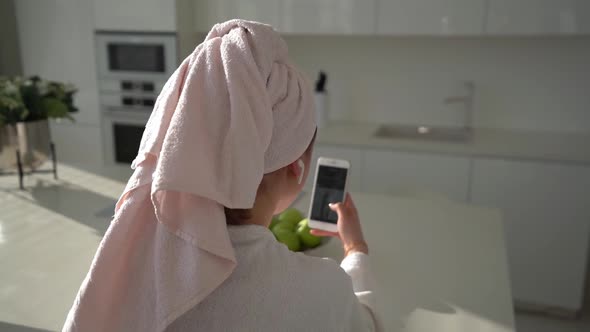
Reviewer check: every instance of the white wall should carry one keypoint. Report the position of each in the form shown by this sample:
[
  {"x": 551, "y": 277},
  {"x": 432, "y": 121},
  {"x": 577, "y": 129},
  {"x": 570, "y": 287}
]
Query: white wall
[
  {"x": 522, "y": 83},
  {"x": 57, "y": 43}
]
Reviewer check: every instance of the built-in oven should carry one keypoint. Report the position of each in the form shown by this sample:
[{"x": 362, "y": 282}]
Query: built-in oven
[
  {"x": 132, "y": 69},
  {"x": 122, "y": 132}
]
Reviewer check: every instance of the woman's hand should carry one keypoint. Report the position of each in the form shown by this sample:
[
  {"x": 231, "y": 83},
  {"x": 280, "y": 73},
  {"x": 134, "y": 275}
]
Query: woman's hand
[{"x": 349, "y": 227}]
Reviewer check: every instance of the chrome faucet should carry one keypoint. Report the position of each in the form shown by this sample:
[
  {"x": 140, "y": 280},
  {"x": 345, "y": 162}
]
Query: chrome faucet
[{"x": 467, "y": 101}]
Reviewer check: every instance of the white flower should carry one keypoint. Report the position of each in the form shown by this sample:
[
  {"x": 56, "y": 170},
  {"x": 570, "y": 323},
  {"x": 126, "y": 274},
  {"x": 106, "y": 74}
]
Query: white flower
[
  {"x": 10, "y": 88},
  {"x": 43, "y": 87},
  {"x": 69, "y": 87}
]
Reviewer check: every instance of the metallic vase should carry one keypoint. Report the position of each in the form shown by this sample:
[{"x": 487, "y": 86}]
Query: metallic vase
[{"x": 31, "y": 139}]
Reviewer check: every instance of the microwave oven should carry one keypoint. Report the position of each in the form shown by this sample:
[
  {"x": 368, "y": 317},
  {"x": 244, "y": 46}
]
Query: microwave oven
[
  {"x": 135, "y": 63},
  {"x": 132, "y": 70},
  {"x": 135, "y": 56}
]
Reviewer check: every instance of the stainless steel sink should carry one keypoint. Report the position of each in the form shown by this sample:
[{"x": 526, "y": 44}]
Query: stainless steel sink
[{"x": 443, "y": 134}]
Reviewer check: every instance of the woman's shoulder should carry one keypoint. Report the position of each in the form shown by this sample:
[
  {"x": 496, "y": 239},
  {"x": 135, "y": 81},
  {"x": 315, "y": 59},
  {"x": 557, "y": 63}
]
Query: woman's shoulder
[
  {"x": 324, "y": 281},
  {"x": 318, "y": 270}
]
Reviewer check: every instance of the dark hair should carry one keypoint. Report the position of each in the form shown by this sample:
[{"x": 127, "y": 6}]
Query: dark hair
[{"x": 237, "y": 216}]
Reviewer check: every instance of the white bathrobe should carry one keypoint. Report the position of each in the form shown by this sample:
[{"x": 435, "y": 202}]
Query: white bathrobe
[{"x": 274, "y": 289}]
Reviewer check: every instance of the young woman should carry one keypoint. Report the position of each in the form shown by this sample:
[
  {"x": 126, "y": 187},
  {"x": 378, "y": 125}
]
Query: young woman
[{"x": 227, "y": 146}]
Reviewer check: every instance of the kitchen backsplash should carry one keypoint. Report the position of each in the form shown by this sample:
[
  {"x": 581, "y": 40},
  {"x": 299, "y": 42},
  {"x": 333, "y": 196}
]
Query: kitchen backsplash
[{"x": 521, "y": 83}]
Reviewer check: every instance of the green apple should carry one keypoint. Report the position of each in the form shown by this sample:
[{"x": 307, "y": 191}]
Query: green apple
[
  {"x": 290, "y": 216},
  {"x": 303, "y": 231},
  {"x": 303, "y": 223},
  {"x": 288, "y": 238},
  {"x": 273, "y": 222},
  {"x": 283, "y": 225}
]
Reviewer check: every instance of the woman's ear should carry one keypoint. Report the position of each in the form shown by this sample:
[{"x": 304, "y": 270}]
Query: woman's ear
[
  {"x": 298, "y": 170},
  {"x": 301, "y": 165}
]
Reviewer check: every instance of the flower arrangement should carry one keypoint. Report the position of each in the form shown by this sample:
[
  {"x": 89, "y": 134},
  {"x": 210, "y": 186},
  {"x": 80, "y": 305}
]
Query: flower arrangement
[{"x": 32, "y": 99}]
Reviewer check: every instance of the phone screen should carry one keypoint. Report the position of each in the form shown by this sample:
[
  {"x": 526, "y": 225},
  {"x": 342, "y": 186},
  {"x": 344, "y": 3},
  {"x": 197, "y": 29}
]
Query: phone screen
[{"x": 329, "y": 188}]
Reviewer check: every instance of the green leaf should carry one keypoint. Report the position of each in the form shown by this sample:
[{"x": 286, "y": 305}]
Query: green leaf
[
  {"x": 54, "y": 108},
  {"x": 23, "y": 114},
  {"x": 32, "y": 101}
]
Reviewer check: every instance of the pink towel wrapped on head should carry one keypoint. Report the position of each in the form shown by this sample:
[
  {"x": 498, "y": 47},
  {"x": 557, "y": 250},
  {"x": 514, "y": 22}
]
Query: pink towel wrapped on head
[{"x": 233, "y": 111}]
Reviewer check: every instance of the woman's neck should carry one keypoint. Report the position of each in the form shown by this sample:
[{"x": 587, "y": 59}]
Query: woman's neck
[
  {"x": 263, "y": 210},
  {"x": 260, "y": 214}
]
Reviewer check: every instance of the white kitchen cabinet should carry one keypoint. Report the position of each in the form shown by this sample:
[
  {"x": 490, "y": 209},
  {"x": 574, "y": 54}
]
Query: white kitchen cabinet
[
  {"x": 135, "y": 15},
  {"x": 355, "y": 156},
  {"x": 546, "y": 211},
  {"x": 210, "y": 12},
  {"x": 415, "y": 174},
  {"x": 88, "y": 146},
  {"x": 56, "y": 41},
  {"x": 427, "y": 17},
  {"x": 350, "y": 17},
  {"x": 538, "y": 17}
]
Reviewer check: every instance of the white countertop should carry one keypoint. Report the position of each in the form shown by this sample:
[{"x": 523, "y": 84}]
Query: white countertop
[
  {"x": 439, "y": 266},
  {"x": 493, "y": 143}
]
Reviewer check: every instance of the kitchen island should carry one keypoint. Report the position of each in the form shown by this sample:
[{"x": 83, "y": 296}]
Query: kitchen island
[{"x": 439, "y": 266}]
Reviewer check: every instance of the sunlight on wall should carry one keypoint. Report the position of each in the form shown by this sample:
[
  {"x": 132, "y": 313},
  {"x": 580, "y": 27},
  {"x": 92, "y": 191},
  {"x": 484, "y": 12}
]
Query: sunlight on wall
[{"x": 2, "y": 239}]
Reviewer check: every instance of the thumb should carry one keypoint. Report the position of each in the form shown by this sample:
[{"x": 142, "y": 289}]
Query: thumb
[{"x": 336, "y": 207}]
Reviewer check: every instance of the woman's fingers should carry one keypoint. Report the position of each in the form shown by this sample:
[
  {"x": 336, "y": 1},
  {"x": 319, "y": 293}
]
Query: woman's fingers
[
  {"x": 336, "y": 207},
  {"x": 347, "y": 200},
  {"x": 319, "y": 232},
  {"x": 350, "y": 201}
]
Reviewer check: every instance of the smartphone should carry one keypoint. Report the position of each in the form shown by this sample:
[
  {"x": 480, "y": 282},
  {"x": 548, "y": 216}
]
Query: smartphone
[{"x": 329, "y": 186}]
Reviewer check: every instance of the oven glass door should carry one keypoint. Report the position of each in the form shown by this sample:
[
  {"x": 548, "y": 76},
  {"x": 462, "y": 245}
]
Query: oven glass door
[
  {"x": 126, "y": 140},
  {"x": 136, "y": 58},
  {"x": 122, "y": 130}
]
